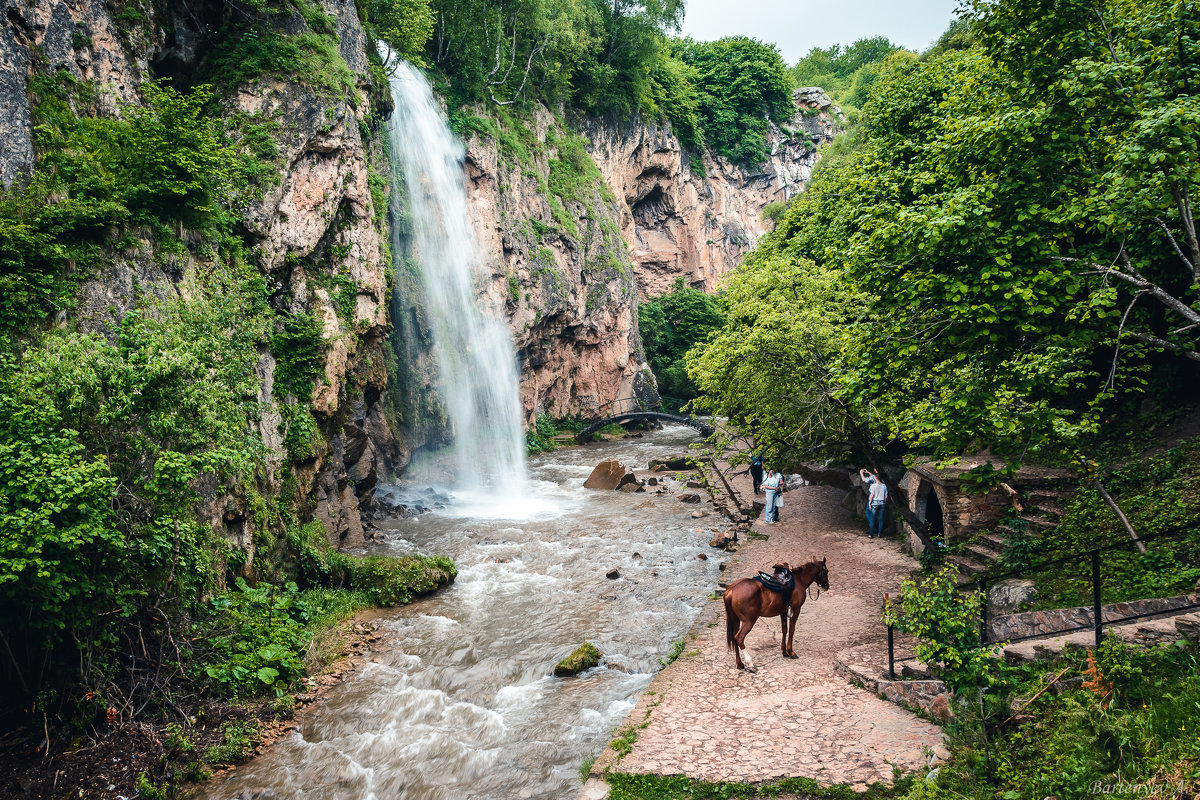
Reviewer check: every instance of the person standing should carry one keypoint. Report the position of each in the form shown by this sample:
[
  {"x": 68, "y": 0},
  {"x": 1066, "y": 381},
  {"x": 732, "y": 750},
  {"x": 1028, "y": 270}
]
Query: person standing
[
  {"x": 876, "y": 502},
  {"x": 756, "y": 472},
  {"x": 773, "y": 485}
]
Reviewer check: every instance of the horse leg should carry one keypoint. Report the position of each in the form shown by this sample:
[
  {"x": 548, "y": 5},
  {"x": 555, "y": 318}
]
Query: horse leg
[
  {"x": 791, "y": 633},
  {"x": 739, "y": 643},
  {"x": 783, "y": 624}
]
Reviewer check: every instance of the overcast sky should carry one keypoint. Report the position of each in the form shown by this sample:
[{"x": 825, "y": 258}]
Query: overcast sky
[{"x": 797, "y": 26}]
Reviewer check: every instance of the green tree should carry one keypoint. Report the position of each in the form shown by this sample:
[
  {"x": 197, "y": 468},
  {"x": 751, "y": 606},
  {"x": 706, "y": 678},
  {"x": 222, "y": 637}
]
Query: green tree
[
  {"x": 670, "y": 324},
  {"x": 741, "y": 86}
]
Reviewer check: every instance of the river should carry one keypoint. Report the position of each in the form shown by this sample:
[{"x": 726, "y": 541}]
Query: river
[{"x": 460, "y": 702}]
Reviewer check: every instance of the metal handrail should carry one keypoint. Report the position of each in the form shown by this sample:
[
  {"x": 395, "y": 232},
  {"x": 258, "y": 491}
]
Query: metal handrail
[{"x": 1098, "y": 622}]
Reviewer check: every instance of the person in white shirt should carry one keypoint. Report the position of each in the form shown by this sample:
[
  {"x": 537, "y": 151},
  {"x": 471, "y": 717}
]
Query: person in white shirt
[
  {"x": 876, "y": 502},
  {"x": 773, "y": 485}
]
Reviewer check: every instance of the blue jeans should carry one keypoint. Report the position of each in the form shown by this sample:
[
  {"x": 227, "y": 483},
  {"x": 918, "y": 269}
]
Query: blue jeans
[
  {"x": 876, "y": 517},
  {"x": 769, "y": 514}
]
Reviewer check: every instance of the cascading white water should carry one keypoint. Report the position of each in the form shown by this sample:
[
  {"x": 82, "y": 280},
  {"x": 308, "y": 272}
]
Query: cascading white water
[{"x": 475, "y": 354}]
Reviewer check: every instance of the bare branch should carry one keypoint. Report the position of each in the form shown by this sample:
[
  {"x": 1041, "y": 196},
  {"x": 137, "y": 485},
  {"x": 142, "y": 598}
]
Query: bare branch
[
  {"x": 1171, "y": 238},
  {"x": 1178, "y": 350},
  {"x": 1134, "y": 278}
]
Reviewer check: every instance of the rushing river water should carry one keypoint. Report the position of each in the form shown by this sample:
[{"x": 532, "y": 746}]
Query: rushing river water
[{"x": 461, "y": 702}]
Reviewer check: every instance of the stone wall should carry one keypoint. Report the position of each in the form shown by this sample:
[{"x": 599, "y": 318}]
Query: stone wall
[{"x": 1056, "y": 620}]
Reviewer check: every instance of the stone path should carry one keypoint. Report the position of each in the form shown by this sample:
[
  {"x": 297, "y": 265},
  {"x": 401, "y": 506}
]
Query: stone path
[{"x": 706, "y": 720}]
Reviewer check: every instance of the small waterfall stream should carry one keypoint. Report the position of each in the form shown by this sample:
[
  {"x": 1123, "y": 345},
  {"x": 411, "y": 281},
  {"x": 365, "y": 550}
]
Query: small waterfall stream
[{"x": 478, "y": 373}]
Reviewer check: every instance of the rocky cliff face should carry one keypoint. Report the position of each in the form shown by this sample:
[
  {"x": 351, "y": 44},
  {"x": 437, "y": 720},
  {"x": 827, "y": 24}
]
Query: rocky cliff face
[
  {"x": 560, "y": 270},
  {"x": 679, "y": 223},
  {"x": 569, "y": 271},
  {"x": 315, "y": 233}
]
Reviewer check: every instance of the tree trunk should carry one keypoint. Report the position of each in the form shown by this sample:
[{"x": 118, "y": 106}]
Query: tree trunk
[{"x": 1120, "y": 515}]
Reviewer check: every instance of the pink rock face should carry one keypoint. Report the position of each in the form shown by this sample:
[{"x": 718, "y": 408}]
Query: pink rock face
[{"x": 569, "y": 272}]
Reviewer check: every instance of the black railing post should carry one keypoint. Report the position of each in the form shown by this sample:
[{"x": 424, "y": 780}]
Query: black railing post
[
  {"x": 1099, "y": 623},
  {"x": 887, "y": 602},
  {"x": 983, "y": 619}
]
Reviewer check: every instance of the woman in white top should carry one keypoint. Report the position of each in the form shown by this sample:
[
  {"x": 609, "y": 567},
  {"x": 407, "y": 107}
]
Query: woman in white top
[{"x": 772, "y": 484}]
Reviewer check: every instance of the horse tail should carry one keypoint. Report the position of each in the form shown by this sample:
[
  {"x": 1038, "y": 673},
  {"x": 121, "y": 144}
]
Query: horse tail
[{"x": 732, "y": 623}]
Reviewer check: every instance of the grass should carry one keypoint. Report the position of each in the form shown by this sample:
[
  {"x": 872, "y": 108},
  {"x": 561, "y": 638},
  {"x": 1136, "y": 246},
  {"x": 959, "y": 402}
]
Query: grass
[
  {"x": 1132, "y": 721},
  {"x": 626, "y": 786}
]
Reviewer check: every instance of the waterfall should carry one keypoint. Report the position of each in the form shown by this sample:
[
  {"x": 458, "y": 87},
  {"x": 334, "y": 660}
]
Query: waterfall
[{"x": 475, "y": 354}]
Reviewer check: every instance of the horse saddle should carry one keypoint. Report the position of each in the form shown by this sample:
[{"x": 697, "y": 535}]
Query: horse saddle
[{"x": 781, "y": 581}]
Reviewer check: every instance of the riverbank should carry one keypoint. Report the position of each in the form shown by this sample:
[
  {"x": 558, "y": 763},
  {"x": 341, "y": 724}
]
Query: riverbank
[
  {"x": 703, "y": 719},
  {"x": 129, "y": 758}
]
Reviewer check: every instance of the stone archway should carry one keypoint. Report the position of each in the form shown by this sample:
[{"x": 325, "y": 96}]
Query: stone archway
[{"x": 928, "y": 506}]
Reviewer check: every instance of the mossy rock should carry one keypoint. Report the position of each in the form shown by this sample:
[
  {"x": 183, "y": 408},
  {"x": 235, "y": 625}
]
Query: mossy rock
[{"x": 585, "y": 656}]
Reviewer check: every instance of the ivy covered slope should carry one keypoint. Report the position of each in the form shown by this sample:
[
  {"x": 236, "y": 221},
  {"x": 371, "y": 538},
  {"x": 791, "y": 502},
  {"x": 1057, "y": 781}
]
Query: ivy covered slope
[{"x": 193, "y": 289}]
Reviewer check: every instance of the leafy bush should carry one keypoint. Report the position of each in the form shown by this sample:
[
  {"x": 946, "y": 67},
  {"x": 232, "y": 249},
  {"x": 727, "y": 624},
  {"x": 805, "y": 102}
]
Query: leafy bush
[
  {"x": 946, "y": 621},
  {"x": 254, "y": 639},
  {"x": 740, "y": 84},
  {"x": 299, "y": 349},
  {"x": 1132, "y": 723}
]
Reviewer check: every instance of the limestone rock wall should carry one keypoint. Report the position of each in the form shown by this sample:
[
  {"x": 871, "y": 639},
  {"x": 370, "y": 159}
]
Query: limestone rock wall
[
  {"x": 570, "y": 278},
  {"x": 680, "y": 223},
  {"x": 564, "y": 280}
]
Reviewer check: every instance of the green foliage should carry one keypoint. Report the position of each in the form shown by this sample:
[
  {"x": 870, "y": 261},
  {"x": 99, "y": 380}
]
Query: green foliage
[
  {"x": 396, "y": 581},
  {"x": 1158, "y": 494},
  {"x": 405, "y": 25},
  {"x": 640, "y": 786},
  {"x": 540, "y": 438},
  {"x": 246, "y": 53},
  {"x": 946, "y": 622},
  {"x": 967, "y": 236},
  {"x": 771, "y": 212},
  {"x": 1133, "y": 725},
  {"x": 103, "y": 442},
  {"x": 166, "y": 161},
  {"x": 238, "y": 740},
  {"x": 299, "y": 349},
  {"x": 254, "y": 639},
  {"x": 740, "y": 84},
  {"x": 845, "y": 73},
  {"x": 385, "y": 580},
  {"x": 771, "y": 367},
  {"x": 670, "y": 325}
]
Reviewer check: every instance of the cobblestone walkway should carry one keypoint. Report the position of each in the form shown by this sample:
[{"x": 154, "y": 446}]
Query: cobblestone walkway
[{"x": 706, "y": 720}]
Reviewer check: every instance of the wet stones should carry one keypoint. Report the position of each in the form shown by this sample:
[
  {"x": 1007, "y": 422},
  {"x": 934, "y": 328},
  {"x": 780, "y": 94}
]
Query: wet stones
[
  {"x": 690, "y": 497},
  {"x": 613, "y": 574},
  {"x": 724, "y": 540},
  {"x": 671, "y": 463}
]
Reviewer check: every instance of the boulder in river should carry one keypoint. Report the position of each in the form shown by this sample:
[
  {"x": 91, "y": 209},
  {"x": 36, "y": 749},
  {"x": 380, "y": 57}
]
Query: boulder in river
[
  {"x": 610, "y": 474},
  {"x": 673, "y": 462},
  {"x": 630, "y": 487},
  {"x": 584, "y": 657},
  {"x": 652, "y": 481},
  {"x": 690, "y": 497},
  {"x": 613, "y": 574}
]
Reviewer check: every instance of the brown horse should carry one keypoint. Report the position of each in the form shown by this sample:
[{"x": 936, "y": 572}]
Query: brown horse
[{"x": 746, "y": 600}]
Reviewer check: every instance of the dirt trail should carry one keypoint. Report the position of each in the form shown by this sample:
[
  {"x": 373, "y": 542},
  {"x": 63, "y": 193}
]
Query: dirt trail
[{"x": 706, "y": 720}]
